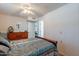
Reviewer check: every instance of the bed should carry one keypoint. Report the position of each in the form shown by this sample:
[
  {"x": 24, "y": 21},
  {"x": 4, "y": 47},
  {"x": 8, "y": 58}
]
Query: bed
[
  {"x": 32, "y": 47},
  {"x": 36, "y": 47}
]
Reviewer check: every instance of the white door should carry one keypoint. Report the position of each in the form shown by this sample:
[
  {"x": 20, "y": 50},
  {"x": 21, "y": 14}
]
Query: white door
[
  {"x": 31, "y": 30},
  {"x": 39, "y": 28}
]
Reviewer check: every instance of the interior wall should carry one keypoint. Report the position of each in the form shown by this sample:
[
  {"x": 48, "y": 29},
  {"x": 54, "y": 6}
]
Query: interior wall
[
  {"x": 63, "y": 25},
  {"x": 6, "y": 21}
]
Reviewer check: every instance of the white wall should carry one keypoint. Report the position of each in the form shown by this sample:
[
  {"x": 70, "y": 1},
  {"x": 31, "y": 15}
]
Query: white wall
[
  {"x": 6, "y": 21},
  {"x": 63, "y": 25}
]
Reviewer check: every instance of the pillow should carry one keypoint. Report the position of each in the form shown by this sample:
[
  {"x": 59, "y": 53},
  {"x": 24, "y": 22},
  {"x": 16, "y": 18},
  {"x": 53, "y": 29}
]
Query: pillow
[
  {"x": 4, "y": 49},
  {"x": 5, "y": 41},
  {"x": 4, "y": 45}
]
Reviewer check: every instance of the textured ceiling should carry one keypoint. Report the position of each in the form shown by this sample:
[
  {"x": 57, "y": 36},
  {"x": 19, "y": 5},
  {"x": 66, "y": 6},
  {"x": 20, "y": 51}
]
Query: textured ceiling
[{"x": 38, "y": 9}]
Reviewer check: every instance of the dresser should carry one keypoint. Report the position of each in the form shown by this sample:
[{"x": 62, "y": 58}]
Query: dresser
[{"x": 17, "y": 35}]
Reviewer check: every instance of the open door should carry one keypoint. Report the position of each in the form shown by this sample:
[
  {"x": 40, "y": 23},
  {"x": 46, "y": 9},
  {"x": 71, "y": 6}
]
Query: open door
[{"x": 39, "y": 28}]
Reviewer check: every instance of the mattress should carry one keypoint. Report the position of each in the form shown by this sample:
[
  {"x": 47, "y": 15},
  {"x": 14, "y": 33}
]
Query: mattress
[{"x": 35, "y": 47}]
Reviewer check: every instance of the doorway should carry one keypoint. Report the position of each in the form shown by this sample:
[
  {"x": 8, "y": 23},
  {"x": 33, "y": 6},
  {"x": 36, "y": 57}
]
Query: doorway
[{"x": 39, "y": 28}]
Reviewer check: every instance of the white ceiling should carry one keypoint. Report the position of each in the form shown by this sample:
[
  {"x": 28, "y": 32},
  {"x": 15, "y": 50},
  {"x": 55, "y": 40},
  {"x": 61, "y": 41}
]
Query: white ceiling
[{"x": 38, "y": 9}]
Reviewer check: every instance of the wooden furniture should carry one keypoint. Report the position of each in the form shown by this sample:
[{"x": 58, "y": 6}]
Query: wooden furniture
[{"x": 17, "y": 35}]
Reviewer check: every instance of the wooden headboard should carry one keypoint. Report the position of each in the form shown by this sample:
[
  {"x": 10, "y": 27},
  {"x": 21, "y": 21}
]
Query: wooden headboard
[{"x": 17, "y": 35}]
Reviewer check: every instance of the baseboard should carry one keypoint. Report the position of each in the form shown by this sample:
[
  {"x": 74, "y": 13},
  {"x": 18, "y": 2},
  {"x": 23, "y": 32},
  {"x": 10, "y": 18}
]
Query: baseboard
[{"x": 61, "y": 53}]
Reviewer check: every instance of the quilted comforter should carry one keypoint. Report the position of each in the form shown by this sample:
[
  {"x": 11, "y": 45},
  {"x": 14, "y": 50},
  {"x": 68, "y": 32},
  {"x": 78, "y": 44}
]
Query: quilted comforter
[{"x": 35, "y": 47}]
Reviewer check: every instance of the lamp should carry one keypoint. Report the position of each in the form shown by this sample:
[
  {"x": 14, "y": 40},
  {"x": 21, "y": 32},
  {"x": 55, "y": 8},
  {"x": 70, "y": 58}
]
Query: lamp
[{"x": 26, "y": 9}]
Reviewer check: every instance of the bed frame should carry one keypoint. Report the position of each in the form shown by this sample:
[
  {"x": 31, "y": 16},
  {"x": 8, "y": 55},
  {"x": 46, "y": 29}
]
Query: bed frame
[{"x": 51, "y": 41}]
